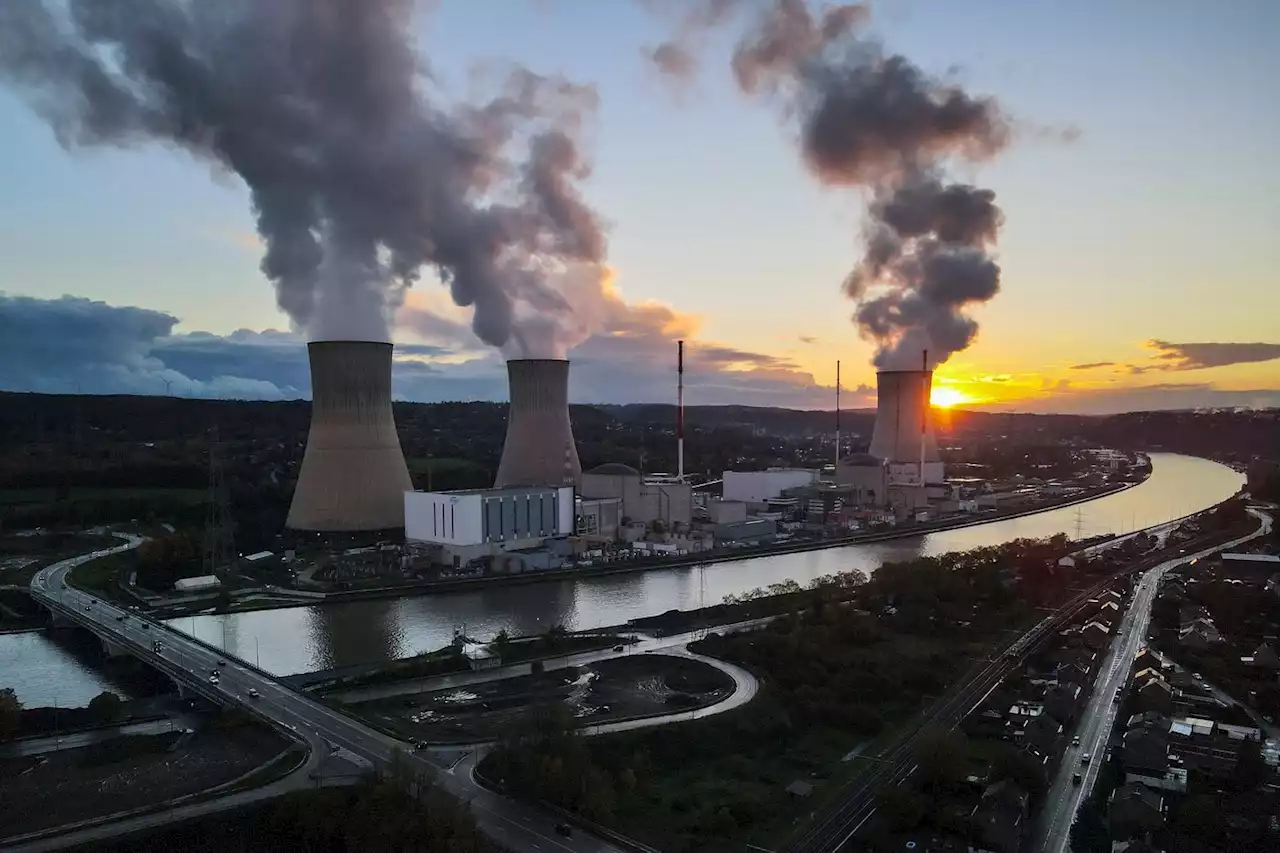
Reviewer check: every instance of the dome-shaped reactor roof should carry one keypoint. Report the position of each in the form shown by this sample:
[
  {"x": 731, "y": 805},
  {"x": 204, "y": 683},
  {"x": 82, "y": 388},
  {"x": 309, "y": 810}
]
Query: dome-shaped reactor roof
[
  {"x": 614, "y": 469},
  {"x": 862, "y": 460}
]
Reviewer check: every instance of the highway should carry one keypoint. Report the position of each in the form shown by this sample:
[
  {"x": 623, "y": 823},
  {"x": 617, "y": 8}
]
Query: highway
[
  {"x": 1053, "y": 830},
  {"x": 833, "y": 830},
  {"x": 513, "y": 824}
]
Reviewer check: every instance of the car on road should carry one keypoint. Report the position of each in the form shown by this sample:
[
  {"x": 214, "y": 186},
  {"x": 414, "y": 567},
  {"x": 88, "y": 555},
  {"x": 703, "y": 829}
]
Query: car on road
[
  {"x": 563, "y": 829},
  {"x": 1084, "y": 759},
  {"x": 253, "y": 693},
  {"x": 87, "y": 608},
  {"x": 1076, "y": 778},
  {"x": 1075, "y": 741},
  {"x": 222, "y": 663},
  {"x": 618, "y": 648},
  {"x": 213, "y": 679}
]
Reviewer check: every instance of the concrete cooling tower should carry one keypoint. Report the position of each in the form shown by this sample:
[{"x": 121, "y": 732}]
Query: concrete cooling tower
[
  {"x": 353, "y": 475},
  {"x": 904, "y": 424},
  {"x": 539, "y": 449}
]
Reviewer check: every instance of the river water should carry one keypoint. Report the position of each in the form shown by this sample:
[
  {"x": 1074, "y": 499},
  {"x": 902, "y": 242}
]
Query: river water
[{"x": 304, "y": 639}]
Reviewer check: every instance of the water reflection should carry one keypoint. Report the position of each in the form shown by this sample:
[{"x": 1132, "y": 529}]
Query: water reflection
[{"x": 308, "y": 638}]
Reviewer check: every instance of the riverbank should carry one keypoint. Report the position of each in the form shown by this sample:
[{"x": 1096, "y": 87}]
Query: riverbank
[{"x": 634, "y": 567}]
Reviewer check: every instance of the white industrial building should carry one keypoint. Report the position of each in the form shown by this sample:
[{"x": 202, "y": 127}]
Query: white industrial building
[
  {"x": 203, "y": 583},
  {"x": 473, "y": 523},
  {"x": 758, "y": 487}
]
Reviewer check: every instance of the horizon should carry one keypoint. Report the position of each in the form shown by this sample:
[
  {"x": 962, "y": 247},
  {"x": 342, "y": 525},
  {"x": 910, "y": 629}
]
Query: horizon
[{"x": 136, "y": 269}]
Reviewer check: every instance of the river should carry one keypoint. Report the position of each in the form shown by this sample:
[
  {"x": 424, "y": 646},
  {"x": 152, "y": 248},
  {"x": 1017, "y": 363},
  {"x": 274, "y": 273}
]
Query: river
[{"x": 304, "y": 639}]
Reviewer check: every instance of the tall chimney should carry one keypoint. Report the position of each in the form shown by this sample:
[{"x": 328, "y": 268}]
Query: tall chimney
[
  {"x": 353, "y": 476},
  {"x": 924, "y": 413},
  {"x": 539, "y": 448},
  {"x": 837, "y": 416},
  {"x": 680, "y": 411}
]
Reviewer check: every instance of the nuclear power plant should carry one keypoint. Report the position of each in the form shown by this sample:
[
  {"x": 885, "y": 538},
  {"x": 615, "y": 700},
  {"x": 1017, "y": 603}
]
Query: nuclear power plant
[
  {"x": 353, "y": 475},
  {"x": 903, "y": 435},
  {"x": 902, "y": 461},
  {"x": 539, "y": 449}
]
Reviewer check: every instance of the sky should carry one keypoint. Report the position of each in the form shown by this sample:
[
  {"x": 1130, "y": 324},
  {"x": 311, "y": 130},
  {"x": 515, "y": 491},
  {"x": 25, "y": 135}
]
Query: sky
[{"x": 1140, "y": 194}]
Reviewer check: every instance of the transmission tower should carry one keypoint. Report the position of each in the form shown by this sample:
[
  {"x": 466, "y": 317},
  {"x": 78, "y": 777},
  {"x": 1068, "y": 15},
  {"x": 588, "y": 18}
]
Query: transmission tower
[
  {"x": 219, "y": 536},
  {"x": 1079, "y": 521}
]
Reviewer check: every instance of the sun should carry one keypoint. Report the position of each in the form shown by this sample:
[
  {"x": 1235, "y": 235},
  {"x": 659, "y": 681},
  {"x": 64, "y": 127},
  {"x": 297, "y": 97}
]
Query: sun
[{"x": 944, "y": 397}]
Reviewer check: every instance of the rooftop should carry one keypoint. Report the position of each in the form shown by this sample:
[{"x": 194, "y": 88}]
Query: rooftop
[{"x": 614, "y": 469}]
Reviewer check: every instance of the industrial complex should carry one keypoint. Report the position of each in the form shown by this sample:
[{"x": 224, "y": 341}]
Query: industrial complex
[{"x": 544, "y": 512}]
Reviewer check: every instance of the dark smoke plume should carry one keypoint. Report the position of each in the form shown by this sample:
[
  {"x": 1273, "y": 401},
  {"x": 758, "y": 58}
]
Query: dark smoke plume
[
  {"x": 875, "y": 121},
  {"x": 359, "y": 173}
]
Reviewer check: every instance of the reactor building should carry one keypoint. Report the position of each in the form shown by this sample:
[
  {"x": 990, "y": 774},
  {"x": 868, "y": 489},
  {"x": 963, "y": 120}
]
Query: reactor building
[
  {"x": 903, "y": 460},
  {"x": 353, "y": 476},
  {"x": 539, "y": 449}
]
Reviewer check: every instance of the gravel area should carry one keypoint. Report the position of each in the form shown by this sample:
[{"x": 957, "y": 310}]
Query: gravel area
[
  {"x": 76, "y": 785},
  {"x": 619, "y": 688}
]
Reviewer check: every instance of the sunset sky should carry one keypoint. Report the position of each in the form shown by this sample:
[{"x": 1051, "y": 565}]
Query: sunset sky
[{"x": 1139, "y": 253}]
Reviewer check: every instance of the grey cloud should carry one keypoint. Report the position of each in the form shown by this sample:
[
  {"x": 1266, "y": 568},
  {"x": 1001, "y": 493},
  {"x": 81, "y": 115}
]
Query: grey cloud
[
  {"x": 1093, "y": 365},
  {"x": 1164, "y": 396},
  {"x": 74, "y": 345},
  {"x": 1199, "y": 356}
]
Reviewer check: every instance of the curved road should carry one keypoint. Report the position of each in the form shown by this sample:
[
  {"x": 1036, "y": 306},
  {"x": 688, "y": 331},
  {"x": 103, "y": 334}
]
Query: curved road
[
  {"x": 512, "y": 824},
  {"x": 516, "y": 825}
]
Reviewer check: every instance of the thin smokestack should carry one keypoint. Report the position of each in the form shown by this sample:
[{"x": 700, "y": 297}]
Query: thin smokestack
[
  {"x": 927, "y": 379},
  {"x": 837, "y": 413},
  {"x": 680, "y": 410}
]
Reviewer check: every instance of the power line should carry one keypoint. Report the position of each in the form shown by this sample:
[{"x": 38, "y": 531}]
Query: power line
[{"x": 219, "y": 534}]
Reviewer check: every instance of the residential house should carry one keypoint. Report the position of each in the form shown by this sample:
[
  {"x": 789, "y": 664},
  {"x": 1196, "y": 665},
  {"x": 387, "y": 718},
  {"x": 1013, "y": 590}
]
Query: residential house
[
  {"x": 1201, "y": 635},
  {"x": 1152, "y": 693},
  {"x": 1266, "y": 658},
  {"x": 1135, "y": 810},
  {"x": 1144, "y": 659},
  {"x": 1042, "y": 735},
  {"x": 1080, "y": 655},
  {"x": 1108, "y": 613},
  {"x": 1069, "y": 674},
  {"x": 1212, "y": 748},
  {"x": 1064, "y": 701},
  {"x": 1096, "y": 635},
  {"x": 1145, "y": 750},
  {"x": 1000, "y": 818}
]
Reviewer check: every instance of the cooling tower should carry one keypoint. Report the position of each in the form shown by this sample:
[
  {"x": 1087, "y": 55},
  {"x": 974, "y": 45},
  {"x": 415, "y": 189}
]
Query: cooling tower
[
  {"x": 904, "y": 426},
  {"x": 353, "y": 475},
  {"x": 539, "y": 450}
]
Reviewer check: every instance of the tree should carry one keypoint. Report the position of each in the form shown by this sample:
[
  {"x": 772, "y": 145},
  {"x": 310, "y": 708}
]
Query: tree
[
  {"x": 106, "y": 707},
  {"x": 10, "y": 713},
  {"x": 501, "y": 644},
  {"x": 941, "y": 758},
  {"x": 1089, "y": 833},
  {"x": 901, "y": 807}
]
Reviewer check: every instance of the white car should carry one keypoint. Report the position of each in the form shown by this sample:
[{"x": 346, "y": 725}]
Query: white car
[
  {"x": 213, "y": 679},
  {"x": 253, "y": 692}
]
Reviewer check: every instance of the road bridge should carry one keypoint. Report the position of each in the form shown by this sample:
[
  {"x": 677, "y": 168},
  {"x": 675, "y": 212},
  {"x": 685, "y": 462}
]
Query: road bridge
[{"x": 190, "y": 661}]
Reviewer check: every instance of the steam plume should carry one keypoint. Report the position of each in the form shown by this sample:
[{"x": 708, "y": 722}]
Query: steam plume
[
  {"x": 874, "y": 121},
  {"x": 359, "y": 171}
]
